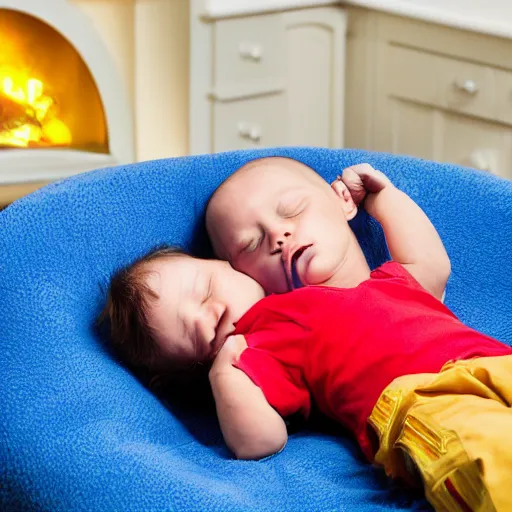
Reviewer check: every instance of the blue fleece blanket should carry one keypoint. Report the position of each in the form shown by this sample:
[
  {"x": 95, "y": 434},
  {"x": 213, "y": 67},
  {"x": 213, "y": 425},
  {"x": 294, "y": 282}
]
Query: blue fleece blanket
[{"x": 79, "y": 433}]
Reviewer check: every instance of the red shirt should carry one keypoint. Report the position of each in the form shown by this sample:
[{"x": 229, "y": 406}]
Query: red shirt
[{"x": 343, "y": 346}]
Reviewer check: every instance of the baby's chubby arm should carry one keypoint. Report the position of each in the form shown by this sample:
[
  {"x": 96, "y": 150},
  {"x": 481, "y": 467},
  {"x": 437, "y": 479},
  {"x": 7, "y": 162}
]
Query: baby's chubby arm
[
  {"x": 412, "y": 239},
  {"x": 251, "y": 428}
]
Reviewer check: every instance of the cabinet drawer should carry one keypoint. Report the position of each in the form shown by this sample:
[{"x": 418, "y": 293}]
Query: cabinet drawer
[
  {"x": 504, "y": 96},
  {"x": 248, "y": 56},
  {"x": 442, "y": 82},
  {"x": 258, "y": 122}
]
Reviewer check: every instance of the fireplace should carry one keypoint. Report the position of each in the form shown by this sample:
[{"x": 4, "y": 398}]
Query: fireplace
[{"x": 63, "y": 106}]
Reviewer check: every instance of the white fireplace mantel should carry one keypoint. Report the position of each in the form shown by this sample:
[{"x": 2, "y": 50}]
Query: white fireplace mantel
[{"x": 23, "y": 165}]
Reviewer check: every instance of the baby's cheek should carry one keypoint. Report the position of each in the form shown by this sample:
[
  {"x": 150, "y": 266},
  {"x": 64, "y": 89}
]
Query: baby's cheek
[{"x": 318, "y": 270}]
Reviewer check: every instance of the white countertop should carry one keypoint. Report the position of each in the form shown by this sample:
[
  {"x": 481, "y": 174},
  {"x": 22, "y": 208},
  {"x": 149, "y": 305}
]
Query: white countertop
[
  {"x": 486, "y": 16},
  {"x": 222, "y": 8}
]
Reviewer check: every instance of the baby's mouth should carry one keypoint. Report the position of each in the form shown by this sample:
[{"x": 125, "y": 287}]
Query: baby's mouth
[{"x": 294, "y": 274}]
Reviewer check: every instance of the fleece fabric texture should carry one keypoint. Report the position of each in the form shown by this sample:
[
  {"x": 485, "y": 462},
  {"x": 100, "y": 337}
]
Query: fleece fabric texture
[{"x": 79, "y": 433}]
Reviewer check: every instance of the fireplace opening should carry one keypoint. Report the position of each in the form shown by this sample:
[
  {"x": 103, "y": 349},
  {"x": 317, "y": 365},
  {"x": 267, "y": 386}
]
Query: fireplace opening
[{"x": 48, "y": 97}]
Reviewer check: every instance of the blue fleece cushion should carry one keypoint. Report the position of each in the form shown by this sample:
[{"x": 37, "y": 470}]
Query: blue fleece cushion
[{"x": 79, "y": 432}]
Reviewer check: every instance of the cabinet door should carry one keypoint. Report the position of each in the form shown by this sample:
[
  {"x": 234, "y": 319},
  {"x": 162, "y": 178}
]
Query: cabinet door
[
  {"x": 428, "y": 132},
  {"x": 440, "y": 108},
  {"x": 315, "y": 63},
  {"x": 429, "y": 91}
]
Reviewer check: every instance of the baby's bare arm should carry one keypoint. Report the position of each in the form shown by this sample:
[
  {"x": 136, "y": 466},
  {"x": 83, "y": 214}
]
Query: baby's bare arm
[
  {"x": 412, "y": 239},
  {"x": 251, "y": 428}
]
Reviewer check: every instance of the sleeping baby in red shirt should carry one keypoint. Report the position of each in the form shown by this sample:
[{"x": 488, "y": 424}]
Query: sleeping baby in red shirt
[{"x": 377, "y": 351}]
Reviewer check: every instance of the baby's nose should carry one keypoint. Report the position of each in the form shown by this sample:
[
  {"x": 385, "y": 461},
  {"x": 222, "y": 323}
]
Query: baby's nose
[
  {"x": 216, "y": 310},
  {"x": 280, "y": 241}
]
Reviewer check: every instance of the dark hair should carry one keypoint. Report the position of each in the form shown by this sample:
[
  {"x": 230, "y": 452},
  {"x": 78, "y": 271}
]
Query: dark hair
[{"x": 126, "y": 309}]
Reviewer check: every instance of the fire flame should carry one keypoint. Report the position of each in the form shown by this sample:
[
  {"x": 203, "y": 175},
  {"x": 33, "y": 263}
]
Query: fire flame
[{"x": 28, "y": 114}]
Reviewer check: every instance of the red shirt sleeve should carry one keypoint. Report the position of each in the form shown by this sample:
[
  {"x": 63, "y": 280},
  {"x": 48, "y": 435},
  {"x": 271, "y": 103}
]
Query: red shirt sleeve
[
  {"x": 396, "y": 270},
  {"x": 282, "y": 388},
  {"x": 274, "y": 359}
]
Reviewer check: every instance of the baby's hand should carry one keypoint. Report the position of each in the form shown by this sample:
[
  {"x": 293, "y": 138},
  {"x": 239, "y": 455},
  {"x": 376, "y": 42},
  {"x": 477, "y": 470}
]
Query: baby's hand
[
  {"x": 229, "y": 353},
  {"x": 363, "y": 179}
]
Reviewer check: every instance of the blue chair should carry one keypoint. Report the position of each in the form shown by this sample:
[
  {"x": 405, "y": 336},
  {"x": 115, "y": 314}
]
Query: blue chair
[{"x": 78, "y": 432}]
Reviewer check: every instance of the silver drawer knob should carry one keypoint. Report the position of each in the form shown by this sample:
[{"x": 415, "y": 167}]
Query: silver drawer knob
[
  {"x": 249, "y": 132},
  {"x": 250, "y": 51},
  {"x": 244, "y": 129},
  {"x": 468, "y": 86},
  {"x": 255, "y": 134}
]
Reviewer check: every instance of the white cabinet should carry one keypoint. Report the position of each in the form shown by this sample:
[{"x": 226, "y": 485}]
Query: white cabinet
[
  {"x": 443, "y": 108},
  {"x": 445, "y": 136},
  {"x": 272, "y": 80},
  {"x": 315, "y": 73},
  {"x": 429, "y": 91}
]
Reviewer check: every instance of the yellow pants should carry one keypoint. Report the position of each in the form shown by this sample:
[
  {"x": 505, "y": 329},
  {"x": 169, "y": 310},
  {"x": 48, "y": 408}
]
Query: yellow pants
[{"x": 454, "y": 430}]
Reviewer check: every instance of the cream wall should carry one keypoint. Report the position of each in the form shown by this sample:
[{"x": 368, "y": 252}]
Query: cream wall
[{"x": 149, "y": 41}]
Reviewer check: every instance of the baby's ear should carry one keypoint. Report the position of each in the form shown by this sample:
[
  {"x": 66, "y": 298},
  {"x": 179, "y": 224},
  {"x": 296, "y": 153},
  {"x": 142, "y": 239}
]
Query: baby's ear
[{"x": 344, "y": 195}]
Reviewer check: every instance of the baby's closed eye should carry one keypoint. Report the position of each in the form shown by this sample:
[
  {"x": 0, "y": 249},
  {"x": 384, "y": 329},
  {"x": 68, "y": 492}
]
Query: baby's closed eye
[
  {"x": 208, "y": 289},
  {"x": 251, "y": 245},
  {"x": 289, "y": 209}
]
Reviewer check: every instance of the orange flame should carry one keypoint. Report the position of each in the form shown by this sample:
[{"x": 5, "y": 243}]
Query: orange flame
[{"x": 28, "y": 114}]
